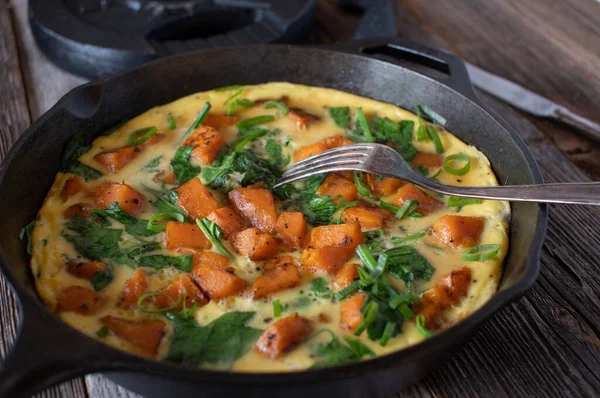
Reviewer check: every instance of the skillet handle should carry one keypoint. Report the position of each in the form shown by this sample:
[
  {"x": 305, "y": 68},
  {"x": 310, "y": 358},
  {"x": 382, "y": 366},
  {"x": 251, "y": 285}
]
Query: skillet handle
[
  {"x": 46, "y": 351},
  {"x": 395, "y": 48}
]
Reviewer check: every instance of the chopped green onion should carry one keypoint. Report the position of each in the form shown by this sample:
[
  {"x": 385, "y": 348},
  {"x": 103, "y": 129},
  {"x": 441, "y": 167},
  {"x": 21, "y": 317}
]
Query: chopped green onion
[
  {"x": 387, "y": 333},
  {"x": 239, "y": 143},
  {"x": 276, "y": 308},
  {"x": 360, "y": 185},
  {"x": 435, "y": 176},
  {"x": 254, "y": 121},
  {"x": 277, "y": 104},
  {"x": 415, "y": 214},
  {"x": 457, "y": 157},
  {"x": 406, "y": 311},
  {"x": 389, "y": 206},
  {"x": 365, "y": 277},
  {"x": 154, "y": 226},
  {"x": 430, "y": 113},
  {"x": 146, "y": 296},
  {"x": 364, "y": 125},
  {"x": 140, "y": 136},
  {"x": 213, "y": 233},
  {"x": 366, "y": 257},
  {"x": 408, "y": 207},
  {"x": 342, "y": 294},
  {"x": 481, "y": 252},
  {"x": 369, "y": 313},
  {"x": 102, "y": 332},
  {"x": 423, "y": 331},
  {"x": 171, "y": 122},
  {"x": 421, "y": 130},
  {"x": 439, "y": 147},
  {"x": 199, "y": 120},
  {"x": 232, "y": 108},
  {"x": 228, "y": 88},
  {"x": 408, "y": 238},
  {"x": 459, "y": 202},
  {"x": 232, "y": 96}
]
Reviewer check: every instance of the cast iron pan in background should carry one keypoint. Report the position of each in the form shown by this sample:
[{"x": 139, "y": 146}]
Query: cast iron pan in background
[{"x": 48, "y": 351}]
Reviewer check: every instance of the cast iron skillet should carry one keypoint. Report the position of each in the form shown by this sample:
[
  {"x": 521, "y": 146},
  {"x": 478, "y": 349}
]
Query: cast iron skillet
[{"x": 48, "y": 351}]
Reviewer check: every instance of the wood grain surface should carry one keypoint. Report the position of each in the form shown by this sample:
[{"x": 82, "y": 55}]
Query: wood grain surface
[{"x": 545, "y": 344}]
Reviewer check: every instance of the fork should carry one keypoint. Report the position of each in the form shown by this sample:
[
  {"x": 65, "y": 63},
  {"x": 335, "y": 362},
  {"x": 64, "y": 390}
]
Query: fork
[{"x": 383, "y": 160}]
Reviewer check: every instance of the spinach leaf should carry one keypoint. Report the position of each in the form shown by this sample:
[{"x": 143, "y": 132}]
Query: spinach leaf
[
  {"x": 320, "y": 287},
  {"x": 181, "y": 166},
  {"x": 341, "y": 116},
  {"x": 406, "y": 263},
  {"x": 159, "y": 261},
  {"x": 77, "y": 146},
  {"x": 152, "y": 165},
  {"x": 335, "y": 353},
  {"x": 166, "y": 201},
  {"x": 221, "y": 342},
  {"x": 133, "y": 226},
  {"x": 137, "y": 250},
  {"x": 400, "y": 134},
  {"x": 318, "y": 210},
  {"x": 102, "y": 278},
  {"x": 274, "y": 151},
  {"x": 26, "y": 232}
]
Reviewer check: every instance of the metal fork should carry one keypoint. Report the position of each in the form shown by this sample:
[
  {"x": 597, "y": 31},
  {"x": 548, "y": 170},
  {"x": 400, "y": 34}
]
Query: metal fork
[{"x": 383, "y": 160}]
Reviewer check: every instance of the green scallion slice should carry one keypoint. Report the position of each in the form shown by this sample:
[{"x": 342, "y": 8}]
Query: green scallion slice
[
  {"x": 155, "y": 226},
  {"x": 232, "y": 96},
  {"x": 146, "y": 296},
  {"x": 459, "y": 202},
  {"x": 361, "y": 187},
  {"x": 213, "y": 233},
  {"x": 369, "y": 313},
  {"x": 409, "y": 238},
  {"x": 199, "y": 120},
  {"x": 364, "y": 125},
  {"x": 457, "y": 157},
  {"x": 276, "y": 308},
  {"x": 228, "y": 88},
  {"x": 171, "y": 122},
  {"x": 408, "y": 207},
  {"x": 437, "y": 142},
  {"x": 254, "y": 121},
  {"x": 390, "y": 327},
  {"x": 277, "y": 104},
  {"x": 481, "y": 252},
  {"x": 421, "y": 129},
  {"x": 423, "y": 331},
  {"x": 342, "y": 294},
  {"x": 138, "y": 137}
]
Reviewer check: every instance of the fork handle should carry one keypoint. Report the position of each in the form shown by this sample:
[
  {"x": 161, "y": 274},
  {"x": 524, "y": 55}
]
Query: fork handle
[{"x": 585, "y": 193}]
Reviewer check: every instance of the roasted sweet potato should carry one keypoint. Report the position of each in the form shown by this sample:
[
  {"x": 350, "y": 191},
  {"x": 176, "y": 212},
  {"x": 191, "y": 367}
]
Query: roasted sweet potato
[
  {"x": 210, "y": 258},
  {"x": 369, "y": 217},
  {"x": 427, "y": 204},
  {"x": 218, "y": 283},
  {"x": 345, "y": 276},
  {"x": 283, "y": 335},
  {"x": 350, "y": 315},
  {"x": 254, "y": 244},
  {"x": 145, "y": 334},
  {"x": 382, "y": 187},
  {"x": 302, "y": 118},
  {"x": 309, "y": 150},
  {"x": 280, "y": 277},
  {"x": 335, "y": 185},
  {"x": 206, "y": 142},
  {"x": 219, "y": 121},
  {"x": 85, "y": 270},
  {"x": 73, "y": 186},
  {"x": 130, "y": 200},
  {"x": 185, "y": 236},
  {"x": 116, "y": 159},
  {"x": 428, "y": 160},
  {"x": 80, "y": 300},
  {"x": 196, "y": 200},
  {"x": 166, "y": 177},
  {"x": 279, "y": 260},
  {"x": 325, "y": 259},
  {"x": 348, "y": 236},
  {"x": 292, "y": 228},
  {"x": 135, "y": 287},
  {"x": 458, "y": 231},
  {"x": 256, "y": 206},
  {"x": 176, "y": 291},
  {"x": 228, "y": 220}
]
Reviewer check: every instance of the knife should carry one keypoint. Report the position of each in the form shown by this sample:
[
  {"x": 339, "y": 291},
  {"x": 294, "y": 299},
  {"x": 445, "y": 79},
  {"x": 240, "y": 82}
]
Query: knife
[{"x": 530, "y": 102}]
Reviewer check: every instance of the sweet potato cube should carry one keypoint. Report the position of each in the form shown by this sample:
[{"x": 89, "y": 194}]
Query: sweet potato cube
[
  {"x": 430, "y": 312},
  {"x": 218, "y": 283},
  {"x": 219, "y": 121},
  {"x": 302, "y": 118},
  {"x": 450, "y": 289},
  {"x": 292, "y": 228},
  {"x": 185, "y": 236},
  {"x": 458, "y": 231},
  {"x": 117, "y": 159},
  {"x": 309, "y": 150},
  {"x": 144, "y": 334},
  {"x": 335, "y": 185},
  {"x": 228, "y": 220},
  {"x": 129, "y": 200},
  {"x": 429, "y": 160},
  {"x": 135, "y": 287},
  {"x": 73, "y": 186},
  {"x": 345, "y": 276},
  {"x": 210, "y": 258},
  {"x": 256, "y": 206},
  {"x": 184, "y": 286},
  {"x": 206, "y": 142},
  {"x": 283, "y": 335},
  {"x": 85, "y": 270},
  {"x": 79, "y": 210},
  {"x": 325, "y": 259},
  {"x": 350, "y": 315},
  {"x": 196, "y": 200},
  {"x": 369, "y": 217},
  {"x": 280, "y": 277},
  {"x": 80, "y": 300},
  {"x": 382, "y": 187},
  {"x": 427, "y": 204},
  {"x": 254, "y": 244},
  {"x": 166, "y": 177},
  {"x": 348, "y": 236}
]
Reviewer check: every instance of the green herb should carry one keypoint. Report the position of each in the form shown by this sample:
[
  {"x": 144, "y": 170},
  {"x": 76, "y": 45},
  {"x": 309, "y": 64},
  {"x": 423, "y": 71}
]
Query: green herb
[
  {"x": 342, "y": 294},
  {"x": 213, "y": 232},
  {"x": 335, "y": 353},
  {"x": 153, "y": 222},
  {"x": 437, "y": 142},
  {"x": 171, "y": 122},
  {"x": 276, "y": 308},
  {"x": 458, "y": 157},
  {"x": 246, "y": 137},
  {"x": 134, "y": 252},
  {"x": 361, "y": 187},
  {"x": 363, "y": 126},
  {"x": 181, "y": 166},
  {"x": 407, "y": 208},
  {"x": 481, "y": 252},
  {"x": 434, "y": 116},
  {"x": 460, "y": 202},
  {"x": 421, "y": 129},
  {"x": 232, "y": 108},
  {"x": 320, "y": 287},
  {"x": 277, "y": 104},
  {"x": 369, "y": 312},
  {"x": 153, "y": 164},
  {"x": 102, "y": 278},
  {"x": 254, "y": 121},
  {"x": 159, "y": 261},
  {"x": 407, "y": 264},
  {"x": 423, "y": 331},
  {"x": 388, "y": 332},
  {"x": 318, "y": 210},
  {"x": 341, "y": 116},
  {"x": 26, "y": 232},
  {"x": 133, "y": 226},
  {"x": 187, "y": 314},
  {"x": 228, "y": 88},
  {"x": 399, "y": 134},
  {"x": 166, "y": 201},
  {"x": 374, "y": 240},
  {"x": 435, "y": 176},
  {"x": 221, "y": 342},
  {"x": 102, "y": 332},
  {"x": 197, "y": 122},
  {"x": 301, "y": 302},
  {"x": 274, "y": 151},
  {"x": 237, "y": 92},
  {"x": 138, "y": 137},
  {"x": 77, "y": 146},
  {"x": 146, "y": 296},
  {"x": 404, "y": 239}
]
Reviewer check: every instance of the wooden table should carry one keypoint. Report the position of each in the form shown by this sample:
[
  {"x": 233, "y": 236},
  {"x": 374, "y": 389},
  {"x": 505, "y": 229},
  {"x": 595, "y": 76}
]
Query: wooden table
[{"x": 545, "y": 344}]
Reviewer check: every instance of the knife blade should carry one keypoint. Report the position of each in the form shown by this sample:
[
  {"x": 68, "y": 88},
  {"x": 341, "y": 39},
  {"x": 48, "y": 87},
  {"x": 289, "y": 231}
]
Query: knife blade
[{"x": 530, "y": 102}]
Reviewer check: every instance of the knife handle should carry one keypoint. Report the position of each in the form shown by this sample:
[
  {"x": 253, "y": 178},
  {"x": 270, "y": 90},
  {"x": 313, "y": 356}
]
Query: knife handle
[{"x": 587, "y": 127}]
